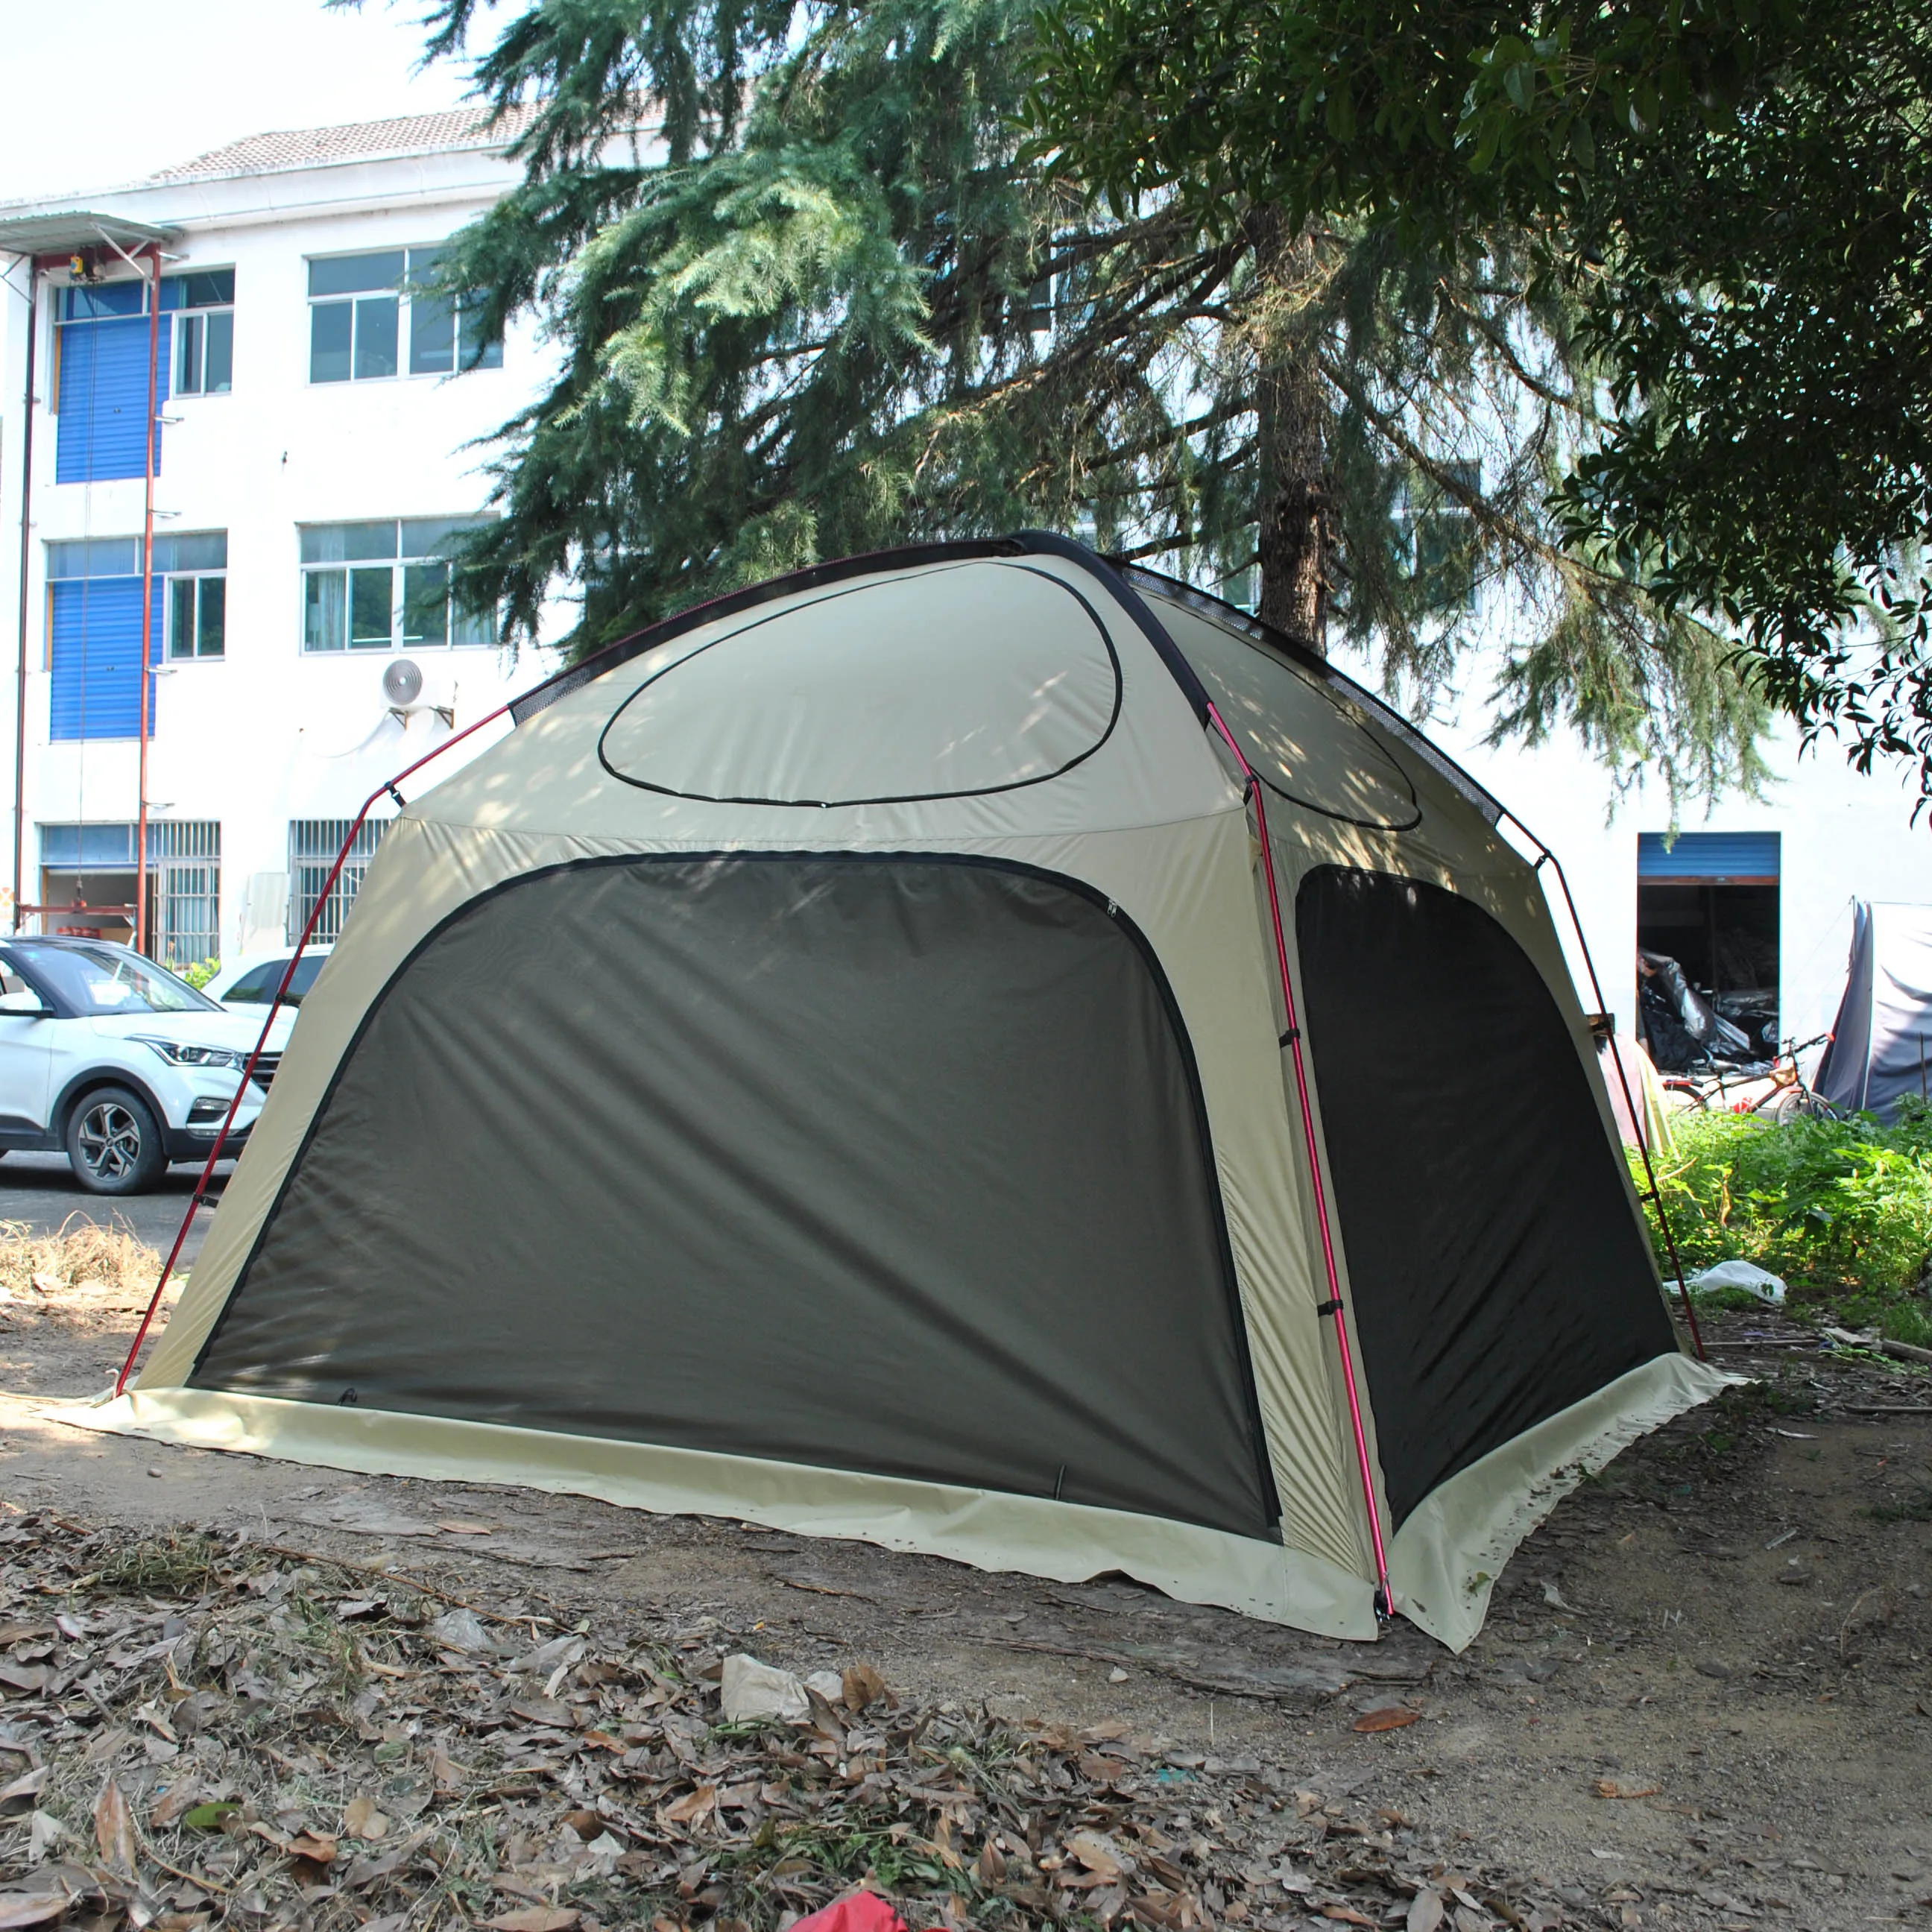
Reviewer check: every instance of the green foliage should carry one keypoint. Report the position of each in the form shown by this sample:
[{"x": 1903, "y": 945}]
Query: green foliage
[
  {"x": 1737, "y": 196},
  {"x": 852, "y": 309},
  {"x": 1835, "y": 1207},
  {"x": 201, "y": 972}
]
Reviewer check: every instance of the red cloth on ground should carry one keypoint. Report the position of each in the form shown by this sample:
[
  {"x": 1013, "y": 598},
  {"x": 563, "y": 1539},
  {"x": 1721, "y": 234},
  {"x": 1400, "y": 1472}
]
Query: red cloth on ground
[{"x": 860, "y": 1912}]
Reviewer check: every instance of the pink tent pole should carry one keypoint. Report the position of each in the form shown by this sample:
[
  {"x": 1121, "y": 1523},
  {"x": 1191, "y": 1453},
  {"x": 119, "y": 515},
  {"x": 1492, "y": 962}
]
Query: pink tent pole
[{"x": 1333, "y": 1305}]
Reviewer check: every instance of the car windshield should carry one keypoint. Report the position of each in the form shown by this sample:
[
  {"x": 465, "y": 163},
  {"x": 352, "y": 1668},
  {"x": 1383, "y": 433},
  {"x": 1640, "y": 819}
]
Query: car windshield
[
  {"x": 99, "y": 980},
  {"x": 256, "y": 987}
]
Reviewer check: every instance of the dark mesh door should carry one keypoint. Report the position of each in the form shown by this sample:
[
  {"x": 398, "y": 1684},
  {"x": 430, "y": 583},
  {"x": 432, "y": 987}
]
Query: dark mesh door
[
  {"x": 895, "y": 1165},
  {"x": 1497, "y": 1269}
]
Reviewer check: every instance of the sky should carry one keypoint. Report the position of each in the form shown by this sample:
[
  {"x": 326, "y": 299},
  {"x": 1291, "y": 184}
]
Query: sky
[{"x": 104, "y": 92}]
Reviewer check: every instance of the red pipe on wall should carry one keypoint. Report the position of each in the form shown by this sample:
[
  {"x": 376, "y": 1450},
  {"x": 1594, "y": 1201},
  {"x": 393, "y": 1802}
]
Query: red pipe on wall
[{"x": 141, "y": 934}]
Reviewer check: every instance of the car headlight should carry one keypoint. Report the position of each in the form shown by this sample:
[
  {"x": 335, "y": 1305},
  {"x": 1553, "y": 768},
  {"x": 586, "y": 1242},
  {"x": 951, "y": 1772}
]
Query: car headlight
[{"x": 177, "y": 1054}]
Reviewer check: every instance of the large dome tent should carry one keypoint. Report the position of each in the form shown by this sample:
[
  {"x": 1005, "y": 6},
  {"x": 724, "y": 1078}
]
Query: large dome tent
[{"x": 972, "y": 1049}]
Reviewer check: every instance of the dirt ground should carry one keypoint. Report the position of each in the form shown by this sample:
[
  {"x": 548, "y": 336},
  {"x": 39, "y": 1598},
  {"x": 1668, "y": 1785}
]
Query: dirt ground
[{"x": 1702, "y": 1698}]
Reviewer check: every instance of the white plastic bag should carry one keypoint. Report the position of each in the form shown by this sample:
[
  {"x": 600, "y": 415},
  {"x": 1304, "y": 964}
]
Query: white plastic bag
[{"x": 1747, "y": 1275}]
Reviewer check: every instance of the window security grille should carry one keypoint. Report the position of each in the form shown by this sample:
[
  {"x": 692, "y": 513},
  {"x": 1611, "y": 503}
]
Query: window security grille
[
  {"x": 187, "y": 861},
  {"x": 184, "y": 873},
  {"x": 313, "y": 845}
]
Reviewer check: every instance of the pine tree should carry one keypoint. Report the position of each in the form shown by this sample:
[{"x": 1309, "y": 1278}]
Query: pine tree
[{"x": 850, "y": 308}]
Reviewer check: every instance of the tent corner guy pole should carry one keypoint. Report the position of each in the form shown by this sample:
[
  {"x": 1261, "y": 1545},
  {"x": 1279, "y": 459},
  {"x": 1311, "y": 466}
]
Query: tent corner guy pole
[
  {"x": 1654, "y": 1194},
  {"x": 274, "y": 1006},
  {"x": 26, "y": 559},
  {"x": 1333, "y": 1306},
  {"x": 142, "y": 936}
]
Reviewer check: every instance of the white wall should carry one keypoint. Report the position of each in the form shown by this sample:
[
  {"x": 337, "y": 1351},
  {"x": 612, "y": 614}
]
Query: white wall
[
  {"x": 1842, "y": 837},
  {"x": 267, "y": 733}
]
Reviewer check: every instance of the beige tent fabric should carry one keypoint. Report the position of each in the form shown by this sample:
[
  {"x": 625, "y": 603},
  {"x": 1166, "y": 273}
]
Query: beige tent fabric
[
  {"x": 1186, "y": 886},
  {"x": 1174, "y": 854},
  {"x": 1446, "y": 1557},
  {"x": 1011, "y": 688},
  {"x": 992, "y": 1531},
  {"x": 1109, "y": 779}
]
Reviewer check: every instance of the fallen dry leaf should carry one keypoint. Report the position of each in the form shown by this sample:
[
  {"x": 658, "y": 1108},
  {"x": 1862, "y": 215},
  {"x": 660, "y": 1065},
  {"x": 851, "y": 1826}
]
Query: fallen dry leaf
[
  {"x": 536, "y": 1918},
  {"x": 1390, "y": 1717},
  {"x": 1347, "y": 1915},
  {"x": 1608, "y": 1787},
  {"x": 1425, "y": 1911},
  {"x": 361, "y": 1819},
  {"x": 864, "y": 1687},
  {"x": 1094, "y": 1854},
  {"x": 32, "y": 1908},
  {"x": 172, "y": 1803},
  {"x": 472, "y": 1529},
  {"x": 114, "y": 1829},
  {"x": 693, "y": 1804}
]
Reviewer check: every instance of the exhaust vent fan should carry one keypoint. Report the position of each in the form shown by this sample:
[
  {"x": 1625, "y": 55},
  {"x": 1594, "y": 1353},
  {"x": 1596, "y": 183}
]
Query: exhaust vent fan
[{"x": 402, "y": 683}]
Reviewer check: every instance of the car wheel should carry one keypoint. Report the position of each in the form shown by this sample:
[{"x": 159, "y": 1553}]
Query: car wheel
[{"x": 114, "y": 1143}]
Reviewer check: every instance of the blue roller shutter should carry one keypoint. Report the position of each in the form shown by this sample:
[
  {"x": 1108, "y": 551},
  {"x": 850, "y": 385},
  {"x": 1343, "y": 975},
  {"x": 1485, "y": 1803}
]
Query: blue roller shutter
[
  {"x": 103, "y": 390},
  {"x": 1708, "y": 858},
  {"x": 97, "y": 657}
]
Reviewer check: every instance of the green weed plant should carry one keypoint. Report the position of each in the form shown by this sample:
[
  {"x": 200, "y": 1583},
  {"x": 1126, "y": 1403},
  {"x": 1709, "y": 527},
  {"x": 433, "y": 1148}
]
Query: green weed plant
[{"x": 1841, "y": 1209}]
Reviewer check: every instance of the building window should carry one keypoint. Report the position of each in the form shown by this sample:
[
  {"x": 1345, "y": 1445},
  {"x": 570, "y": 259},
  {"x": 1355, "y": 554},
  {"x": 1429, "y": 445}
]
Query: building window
[
  {"x": 313, "y": 845},
  {"x": 1441, "y": 539},
  {"x": 446, "y": 335},
  {"x": 362, "y": 307},
  {"x": 196, "y": 568},
  {"x": 94, "y": 624},
  {"x": 88, "y": 874},
  {"x": 376, "y": 586},
  {"x": 204, "y": 332},
  {"x": 94, "y": 638}
]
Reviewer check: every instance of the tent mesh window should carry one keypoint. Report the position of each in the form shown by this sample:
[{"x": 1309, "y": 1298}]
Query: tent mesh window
[
  {"x": 886, "y": 1164},
  {"x": 313, "y": 844},
  {"x": 1497, "y": 1268}
]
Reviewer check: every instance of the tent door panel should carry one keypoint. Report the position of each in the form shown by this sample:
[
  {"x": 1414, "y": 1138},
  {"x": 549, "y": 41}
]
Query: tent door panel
[
  {"x": 1497, "y": 1271},
  {"x": 884, "y": 1164}
]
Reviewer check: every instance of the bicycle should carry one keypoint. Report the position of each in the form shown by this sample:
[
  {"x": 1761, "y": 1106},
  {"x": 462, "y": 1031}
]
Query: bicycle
[{"x": 1786, "y": 1095}]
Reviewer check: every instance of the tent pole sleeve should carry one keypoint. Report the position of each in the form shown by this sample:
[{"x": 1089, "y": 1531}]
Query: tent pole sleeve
[
  {"x": 1334, "y": 1306},
  {"x": 1655, "y": 1196},
  {"x": 387, "y": 787}
]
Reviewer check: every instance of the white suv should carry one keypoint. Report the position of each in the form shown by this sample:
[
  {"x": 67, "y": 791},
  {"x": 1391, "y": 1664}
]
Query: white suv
[{"x": 111, "y": 1059}]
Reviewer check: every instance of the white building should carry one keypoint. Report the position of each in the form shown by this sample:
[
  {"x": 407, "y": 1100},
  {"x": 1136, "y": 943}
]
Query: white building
[
  {"x": 314, "y": 457},
  {"x": 1771, "y": 880}
]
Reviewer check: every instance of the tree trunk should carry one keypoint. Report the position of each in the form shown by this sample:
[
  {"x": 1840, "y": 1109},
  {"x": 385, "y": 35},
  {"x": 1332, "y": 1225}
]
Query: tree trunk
[{"x": 1292, "y": 410}]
